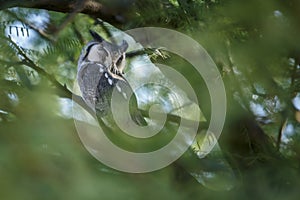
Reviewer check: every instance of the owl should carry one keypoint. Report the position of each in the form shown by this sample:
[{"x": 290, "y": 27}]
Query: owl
[{"x": 100, "y": 71}]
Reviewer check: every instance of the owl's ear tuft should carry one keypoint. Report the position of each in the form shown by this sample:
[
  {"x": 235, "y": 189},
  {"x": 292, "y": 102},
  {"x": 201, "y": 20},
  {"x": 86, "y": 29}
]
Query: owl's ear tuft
[
  {"x": 124, "y": 46},
  {"x": 96, "y": 36}
]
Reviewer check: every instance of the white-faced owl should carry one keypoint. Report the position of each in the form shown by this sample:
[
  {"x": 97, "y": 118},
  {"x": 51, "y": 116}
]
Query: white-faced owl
[{"x": 100, "y": 71}]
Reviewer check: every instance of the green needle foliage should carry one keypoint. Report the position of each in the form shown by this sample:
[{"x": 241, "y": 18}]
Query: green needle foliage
[{"x": 255, "y": 45}]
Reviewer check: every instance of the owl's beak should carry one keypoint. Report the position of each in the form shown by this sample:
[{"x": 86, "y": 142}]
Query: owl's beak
[{"x": 121, "y": 70}]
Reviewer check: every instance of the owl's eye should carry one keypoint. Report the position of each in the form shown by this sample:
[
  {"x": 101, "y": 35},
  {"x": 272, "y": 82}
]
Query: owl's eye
[{"x": 119, "y": 60}]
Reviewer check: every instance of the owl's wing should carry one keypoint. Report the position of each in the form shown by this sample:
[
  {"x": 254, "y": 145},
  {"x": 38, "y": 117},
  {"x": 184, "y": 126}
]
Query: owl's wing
[{"x": 88, "y": 78}]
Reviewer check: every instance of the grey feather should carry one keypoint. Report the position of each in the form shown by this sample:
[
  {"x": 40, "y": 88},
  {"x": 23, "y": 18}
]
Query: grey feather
[{"x": 100, "y": 71}]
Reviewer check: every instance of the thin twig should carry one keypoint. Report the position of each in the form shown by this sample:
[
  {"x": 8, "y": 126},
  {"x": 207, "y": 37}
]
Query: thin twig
[
  {"x": 70, "y": 17},
  {"x": 147, "y": 51}
]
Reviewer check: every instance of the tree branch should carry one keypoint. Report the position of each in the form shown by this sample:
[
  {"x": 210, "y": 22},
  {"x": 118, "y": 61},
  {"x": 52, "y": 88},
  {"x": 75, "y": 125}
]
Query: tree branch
[
  {"x": 93, "y": 8},
  {"x": 63, "y": 91}
]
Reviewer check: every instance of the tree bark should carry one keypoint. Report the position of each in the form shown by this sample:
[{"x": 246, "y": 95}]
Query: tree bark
[{"x": 110, "y": 12}]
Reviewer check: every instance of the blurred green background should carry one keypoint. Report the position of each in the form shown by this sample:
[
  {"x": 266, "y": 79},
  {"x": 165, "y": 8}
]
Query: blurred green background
[{"x": 256, "y": 47}]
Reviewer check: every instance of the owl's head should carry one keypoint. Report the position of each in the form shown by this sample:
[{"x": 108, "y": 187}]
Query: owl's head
[{"x": 110, "y": 55}]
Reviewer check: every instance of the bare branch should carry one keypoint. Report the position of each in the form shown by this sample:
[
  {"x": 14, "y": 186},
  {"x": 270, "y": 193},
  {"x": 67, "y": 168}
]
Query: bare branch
[{"x": 70, "y": 17}]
